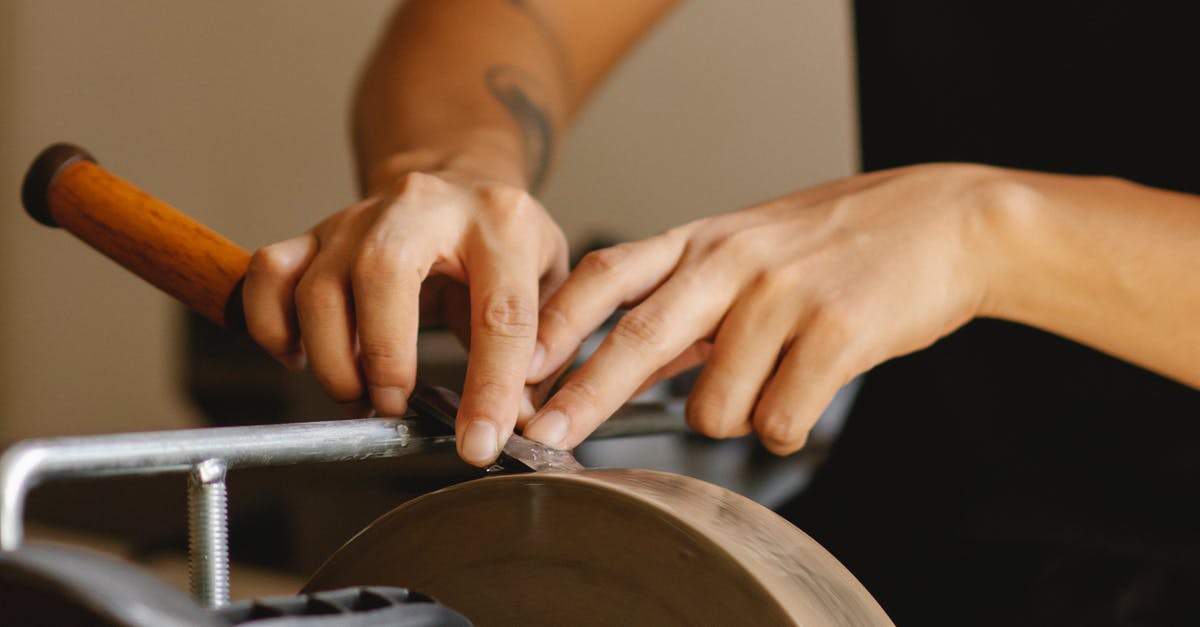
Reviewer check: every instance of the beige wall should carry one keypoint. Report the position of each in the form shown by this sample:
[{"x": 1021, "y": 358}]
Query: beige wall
[
  {"x": 730, "y": 103},
  {"x": 235, "y": 112}
]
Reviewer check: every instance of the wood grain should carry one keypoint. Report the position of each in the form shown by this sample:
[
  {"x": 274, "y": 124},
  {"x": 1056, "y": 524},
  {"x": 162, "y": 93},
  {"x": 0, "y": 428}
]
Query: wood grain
[{"x": 152, "y": 239}]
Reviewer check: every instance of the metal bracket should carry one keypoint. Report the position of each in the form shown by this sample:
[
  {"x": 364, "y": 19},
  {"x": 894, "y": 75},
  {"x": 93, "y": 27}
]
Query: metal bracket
[{"x": 206, "y": 454}]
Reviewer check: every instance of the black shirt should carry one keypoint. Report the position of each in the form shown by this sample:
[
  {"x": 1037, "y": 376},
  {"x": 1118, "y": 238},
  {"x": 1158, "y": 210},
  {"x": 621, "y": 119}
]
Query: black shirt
[{"x": 1007, "y": 476}]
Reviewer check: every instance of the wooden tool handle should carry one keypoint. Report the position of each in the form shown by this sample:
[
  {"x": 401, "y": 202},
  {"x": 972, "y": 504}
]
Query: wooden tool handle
[{"x": 66, "y": 187}]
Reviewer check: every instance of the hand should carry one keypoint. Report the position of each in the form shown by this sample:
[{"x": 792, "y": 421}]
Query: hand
[
  {"x": 348, "y": 296},
  {"x": 786, "y": 301}
]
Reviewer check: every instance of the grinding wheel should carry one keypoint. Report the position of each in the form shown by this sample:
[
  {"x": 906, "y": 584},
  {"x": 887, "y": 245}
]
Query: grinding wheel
[{"x": 614, "y": 547}]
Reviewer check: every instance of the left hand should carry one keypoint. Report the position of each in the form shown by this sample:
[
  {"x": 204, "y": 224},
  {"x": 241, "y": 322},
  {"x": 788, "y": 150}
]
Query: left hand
[
  {"x": 429, "y": 246},
  {"x": 786, "y": 302}
]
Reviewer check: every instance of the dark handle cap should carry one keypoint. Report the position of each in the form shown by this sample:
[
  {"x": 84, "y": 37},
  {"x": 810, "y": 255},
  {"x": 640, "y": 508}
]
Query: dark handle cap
[{"x": 35, "y": 189}]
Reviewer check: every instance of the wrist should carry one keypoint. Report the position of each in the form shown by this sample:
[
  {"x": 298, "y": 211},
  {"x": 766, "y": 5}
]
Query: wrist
[{"x": 1007, "y": 237}]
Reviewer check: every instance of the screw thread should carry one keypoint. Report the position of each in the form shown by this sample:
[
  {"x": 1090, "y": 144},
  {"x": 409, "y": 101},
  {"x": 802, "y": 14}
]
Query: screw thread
[{"x": 208, "y": 536}]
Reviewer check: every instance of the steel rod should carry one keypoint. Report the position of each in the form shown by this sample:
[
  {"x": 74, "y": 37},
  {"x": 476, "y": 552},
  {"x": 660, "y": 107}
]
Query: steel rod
[
  {"x": 28, "y": 463},
  {"x": 31, "y": 462}
]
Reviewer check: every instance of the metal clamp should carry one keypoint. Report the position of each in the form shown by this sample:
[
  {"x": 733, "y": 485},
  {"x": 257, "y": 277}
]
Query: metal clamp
[{"x": 206, "y": 454}]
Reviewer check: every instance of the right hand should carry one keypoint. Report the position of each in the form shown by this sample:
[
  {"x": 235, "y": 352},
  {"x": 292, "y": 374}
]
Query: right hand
[
  {"x": 786, "y": 301},
  {"x": 444, "y": 247}
]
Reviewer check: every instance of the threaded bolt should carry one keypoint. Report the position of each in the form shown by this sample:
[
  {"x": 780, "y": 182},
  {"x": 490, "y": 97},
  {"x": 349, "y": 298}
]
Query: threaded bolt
[{"x": 208, "y": 533}]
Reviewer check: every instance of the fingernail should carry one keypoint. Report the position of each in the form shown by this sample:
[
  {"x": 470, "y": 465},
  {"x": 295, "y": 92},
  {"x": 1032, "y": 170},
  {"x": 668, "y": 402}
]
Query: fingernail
[
  {"x": 539, "y": 357},
  {"x": 479, "y": 444},
  {"x": 550, "y": 428},
  {"x": 389, "y": 400}
]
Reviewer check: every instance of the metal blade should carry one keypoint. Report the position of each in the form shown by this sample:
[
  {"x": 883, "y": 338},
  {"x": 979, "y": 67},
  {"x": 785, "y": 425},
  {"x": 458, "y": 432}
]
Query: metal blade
[{"x": 519, "y": 453}]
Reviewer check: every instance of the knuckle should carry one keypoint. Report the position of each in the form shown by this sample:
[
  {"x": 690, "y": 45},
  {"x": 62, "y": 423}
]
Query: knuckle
[
  {"x": 268, "y": 262},
  {"x": 781, "y": 433},
  {"x": 418, "y": 183},
  {"x": 490, "y": 389},
  {"x": 384, "y": 361},
  {"x": 605, "y": 261},
  {"x": 836, "y": 321},
  {"x": 642, "y": 328},
  {"x": 319, "y": 294},
  {"x": 772, "y": 284},
  {"x": 553, "y": 317},
  {"x": 708, "y": 416},
  {"x": 739, "y": 244},
  {"x": 580, "y": 392},
  {"x": 506, "y": 209},
  {"x": 508, "y": 316},
  {"x": 502, "y": 198},
  {"x": 553, "y": 325}
]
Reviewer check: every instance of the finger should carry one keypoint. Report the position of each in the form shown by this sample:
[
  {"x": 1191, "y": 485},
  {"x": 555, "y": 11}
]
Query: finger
[
  {"x": 268, "y": 293},
  {"x": 536, "y": 394},
  {"x": 683, "y": 310},
  {"x": 390, "y": 266},
  {"x": 745, "y": 352},
  {"x": 503, "y": 290},
  {"x": 528, "y": 405},
  {"x": 554, "y": 271},
  {"x": 811, "y": 371},
  {"x": 386, "y": 279},
  {"x": 324, "y": 309},
  {"x": 604, "y": 280},
  {"x": 555, "y": 266}
]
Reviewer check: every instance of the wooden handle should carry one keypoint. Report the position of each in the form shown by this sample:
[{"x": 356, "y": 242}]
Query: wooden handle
[{"x": 66, "y": 187}]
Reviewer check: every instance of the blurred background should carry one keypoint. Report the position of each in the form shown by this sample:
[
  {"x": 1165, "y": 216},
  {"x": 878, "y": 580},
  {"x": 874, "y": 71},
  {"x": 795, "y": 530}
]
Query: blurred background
[{"x": 236, "y": 113}]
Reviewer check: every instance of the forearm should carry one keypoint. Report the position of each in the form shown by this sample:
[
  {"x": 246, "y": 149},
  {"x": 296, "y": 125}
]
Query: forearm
[
  {"x": 485, "y": 86},
  {"x": 1103, "y": 261}
]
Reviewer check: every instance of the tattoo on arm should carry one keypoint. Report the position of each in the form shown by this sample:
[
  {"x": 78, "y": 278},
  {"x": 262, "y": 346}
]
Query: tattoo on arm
[
  {"x": 511, "y": 87},
  {"x": 551, "y": 38}
]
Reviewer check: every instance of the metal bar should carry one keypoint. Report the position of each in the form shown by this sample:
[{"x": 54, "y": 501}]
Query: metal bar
[
  {"x": 31, "y": 462},
  {"x": 208, "y": 533},
  {"x": 28, "y": 463}
]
